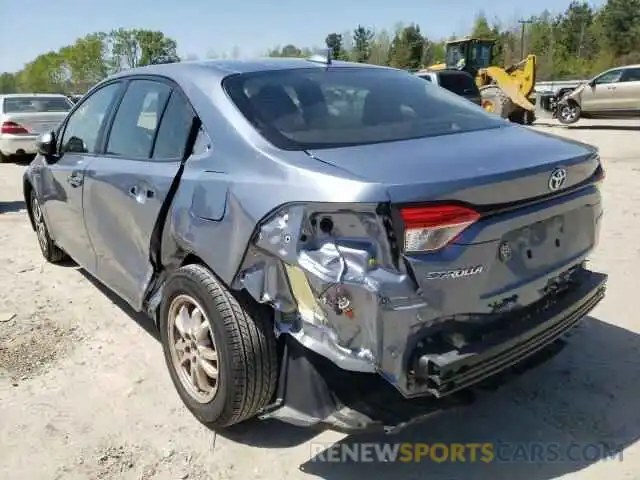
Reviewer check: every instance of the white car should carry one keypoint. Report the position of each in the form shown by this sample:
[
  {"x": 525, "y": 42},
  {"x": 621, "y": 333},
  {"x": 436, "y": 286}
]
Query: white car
[{"x": 24, "y": 116}]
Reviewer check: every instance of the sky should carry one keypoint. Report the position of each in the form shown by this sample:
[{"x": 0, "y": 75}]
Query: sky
[{"x": 31, "y": 27}]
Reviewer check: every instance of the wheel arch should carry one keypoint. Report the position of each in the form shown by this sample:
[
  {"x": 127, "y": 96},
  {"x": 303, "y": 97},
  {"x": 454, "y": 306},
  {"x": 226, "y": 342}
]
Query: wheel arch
[{"x": 27, "y": 189}]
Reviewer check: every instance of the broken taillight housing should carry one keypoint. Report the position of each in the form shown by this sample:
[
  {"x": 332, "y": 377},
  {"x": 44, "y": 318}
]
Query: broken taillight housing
[{"x": 427, "y": 229}]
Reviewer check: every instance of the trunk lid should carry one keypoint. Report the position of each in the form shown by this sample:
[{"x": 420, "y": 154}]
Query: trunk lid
[
  {"x": 512, "y": 256},
  {"x": 36, "y": 122},
  {"x": 495, "y": 166}
]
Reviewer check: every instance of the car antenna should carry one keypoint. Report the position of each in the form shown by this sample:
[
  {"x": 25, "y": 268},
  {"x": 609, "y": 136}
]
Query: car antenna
[{"x": 324, "y": 58}]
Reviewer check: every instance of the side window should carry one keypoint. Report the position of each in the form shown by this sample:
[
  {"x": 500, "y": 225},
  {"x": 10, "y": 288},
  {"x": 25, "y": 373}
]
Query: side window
[
  {"x": 174, "y": 129},
  {"x": 631, "y": 75},
  {"x": 612, "y": 76},
  {"x": 83, "y": 127},
  {"x": 136, "y": 120}
]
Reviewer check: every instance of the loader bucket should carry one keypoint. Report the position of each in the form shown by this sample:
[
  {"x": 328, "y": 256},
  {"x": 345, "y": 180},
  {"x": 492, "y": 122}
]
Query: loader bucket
[{"x": 510, "y": 87}]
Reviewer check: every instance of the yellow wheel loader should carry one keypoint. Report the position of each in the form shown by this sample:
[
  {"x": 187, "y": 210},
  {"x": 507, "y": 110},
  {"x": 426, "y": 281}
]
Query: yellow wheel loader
[{"x": 505, "y": 91}]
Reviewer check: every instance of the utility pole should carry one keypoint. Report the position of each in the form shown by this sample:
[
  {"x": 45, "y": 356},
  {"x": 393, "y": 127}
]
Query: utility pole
[
  {"x": 522, "y": 29},
  {"x": 581, "y": 40}
]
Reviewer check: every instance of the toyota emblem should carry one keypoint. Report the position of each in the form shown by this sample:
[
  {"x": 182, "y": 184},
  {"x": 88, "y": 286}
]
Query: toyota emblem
[{"x": 557, "y": 179}]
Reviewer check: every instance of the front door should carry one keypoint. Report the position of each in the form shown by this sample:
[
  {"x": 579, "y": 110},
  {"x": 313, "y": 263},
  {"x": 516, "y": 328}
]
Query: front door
[
  {"x": 62, "y": 180},
  {"x": 599, "y": 95},
  {"x": 127, "y": 185}
]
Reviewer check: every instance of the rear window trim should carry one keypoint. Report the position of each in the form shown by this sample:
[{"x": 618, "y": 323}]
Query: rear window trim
[
  {"x": 273, "y": 136},
  {"x": 36, "y": 97}
]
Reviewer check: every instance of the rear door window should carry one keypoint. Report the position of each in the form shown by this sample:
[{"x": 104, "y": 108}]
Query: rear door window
[
  {"x": 174, "y": 129},
  {"x": 631, "y": 75}
]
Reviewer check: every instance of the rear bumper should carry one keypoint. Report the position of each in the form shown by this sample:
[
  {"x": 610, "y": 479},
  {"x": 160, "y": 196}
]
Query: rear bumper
[
  {"x": 312, "y": 390},
  {"x": 13, "y": 144},
  {"x": 454, "y": 370}
]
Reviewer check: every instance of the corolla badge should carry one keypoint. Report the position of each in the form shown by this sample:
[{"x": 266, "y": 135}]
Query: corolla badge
[
  {"x": 557, "y": 179},
  {"x": 457, "y": 273}
]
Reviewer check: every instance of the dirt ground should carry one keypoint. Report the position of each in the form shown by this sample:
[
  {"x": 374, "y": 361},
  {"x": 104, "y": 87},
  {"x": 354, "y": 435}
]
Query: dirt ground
[{"x": 84, "y": 392}]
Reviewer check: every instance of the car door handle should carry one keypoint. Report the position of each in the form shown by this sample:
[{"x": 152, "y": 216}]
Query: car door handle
[
  {"x": 611, "y": 88},
  {"x": 74, "y": 180}
]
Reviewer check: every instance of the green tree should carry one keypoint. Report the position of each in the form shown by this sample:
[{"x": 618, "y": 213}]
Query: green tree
[
  {"x": 380, "y": 45},
  {"x": 481, "y": 27},
  {"x": 8, "y": 83},
  {"x": 621, "y": 26},
  {"x": 45, "y": 74},
  {"x": 86, "y": 61},
  {"x": 407, "y": 48},
  {"x": 334, "y": 42},
  {"x": 131, "y": 48},
  {"x": 290, "y": 51},
  {"x": 362, "y": 39}
]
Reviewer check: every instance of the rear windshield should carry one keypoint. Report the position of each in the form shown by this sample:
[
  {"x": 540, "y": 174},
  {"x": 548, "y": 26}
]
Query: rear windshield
[
  {"x": 458, "y": 82},
  {"x": 36, "y": 104},
  {"x": 314, "y": 108}
]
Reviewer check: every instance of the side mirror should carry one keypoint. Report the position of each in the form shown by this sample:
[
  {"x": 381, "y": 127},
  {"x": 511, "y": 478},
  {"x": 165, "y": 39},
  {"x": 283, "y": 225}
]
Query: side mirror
[
  {"x": 592, "y": 83},
  {"x": 46, "y": 145}
]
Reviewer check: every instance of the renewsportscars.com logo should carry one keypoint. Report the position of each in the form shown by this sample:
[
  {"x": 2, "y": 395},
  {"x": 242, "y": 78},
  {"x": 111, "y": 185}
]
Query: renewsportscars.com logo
[{"x": 487, "y": 452}]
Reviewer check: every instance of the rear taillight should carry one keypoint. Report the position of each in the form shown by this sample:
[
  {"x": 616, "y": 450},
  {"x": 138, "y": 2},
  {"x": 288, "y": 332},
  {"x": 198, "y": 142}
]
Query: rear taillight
[
  {"x": 427, "y": 229},
  {"x": 12, "y": 128}
]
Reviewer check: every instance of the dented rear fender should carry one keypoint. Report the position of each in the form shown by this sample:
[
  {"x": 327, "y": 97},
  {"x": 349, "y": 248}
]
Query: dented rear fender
[{"x": 219, "y": 205}]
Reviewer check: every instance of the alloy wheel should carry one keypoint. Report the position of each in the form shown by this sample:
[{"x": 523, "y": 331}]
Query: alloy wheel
[
  {"x": 41, "y": 228},
  {"x": 193, "y": 349},
  {"x": 568, "y": 112}
]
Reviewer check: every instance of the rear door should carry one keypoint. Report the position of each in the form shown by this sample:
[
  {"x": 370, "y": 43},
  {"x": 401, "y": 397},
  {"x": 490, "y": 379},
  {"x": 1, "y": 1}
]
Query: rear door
[
  {"x": 127, "y": 185},
  {"x": 627, "y": 93}
]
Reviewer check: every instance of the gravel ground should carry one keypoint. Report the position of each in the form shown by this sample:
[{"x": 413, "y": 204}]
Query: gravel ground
[{"x": 84, "y": 392}]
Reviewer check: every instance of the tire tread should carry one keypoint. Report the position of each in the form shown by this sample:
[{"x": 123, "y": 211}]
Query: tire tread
[{"x": 252, "y": 347}]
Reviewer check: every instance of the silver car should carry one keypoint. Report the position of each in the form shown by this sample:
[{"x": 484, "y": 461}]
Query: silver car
[
  {"x": 23, "y": 116},
  {"x": 614, "y": 93},
  {"x": 321, "y": 241}
]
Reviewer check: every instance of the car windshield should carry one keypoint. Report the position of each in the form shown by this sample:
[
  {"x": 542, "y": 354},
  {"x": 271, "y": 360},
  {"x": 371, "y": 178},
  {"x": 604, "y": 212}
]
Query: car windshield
[
  {"x": 36, "y": 104},
  {"x": 313, "y": 108}
]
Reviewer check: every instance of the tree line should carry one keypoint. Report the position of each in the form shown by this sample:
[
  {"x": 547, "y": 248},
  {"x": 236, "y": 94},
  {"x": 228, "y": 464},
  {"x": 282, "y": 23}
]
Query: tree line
[{"x": 576, "y": 43}]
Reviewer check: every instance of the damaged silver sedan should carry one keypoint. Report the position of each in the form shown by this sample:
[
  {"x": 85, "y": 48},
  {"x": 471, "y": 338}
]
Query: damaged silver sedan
[{"x": 321, "y": 242}]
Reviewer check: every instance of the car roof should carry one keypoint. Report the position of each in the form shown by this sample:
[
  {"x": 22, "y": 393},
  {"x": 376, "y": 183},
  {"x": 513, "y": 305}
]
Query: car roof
[
  {"x": 29, "y": 95},
  {"x": 224, "y": 68}
]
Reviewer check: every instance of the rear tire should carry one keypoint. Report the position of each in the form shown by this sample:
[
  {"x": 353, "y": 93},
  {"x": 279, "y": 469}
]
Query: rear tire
[
  {"x": 50, "y": 251},
  {"x": 495, "y": 101},
  {"x": 3, "y": 158},
  {"x": 242, "y": 341}
]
